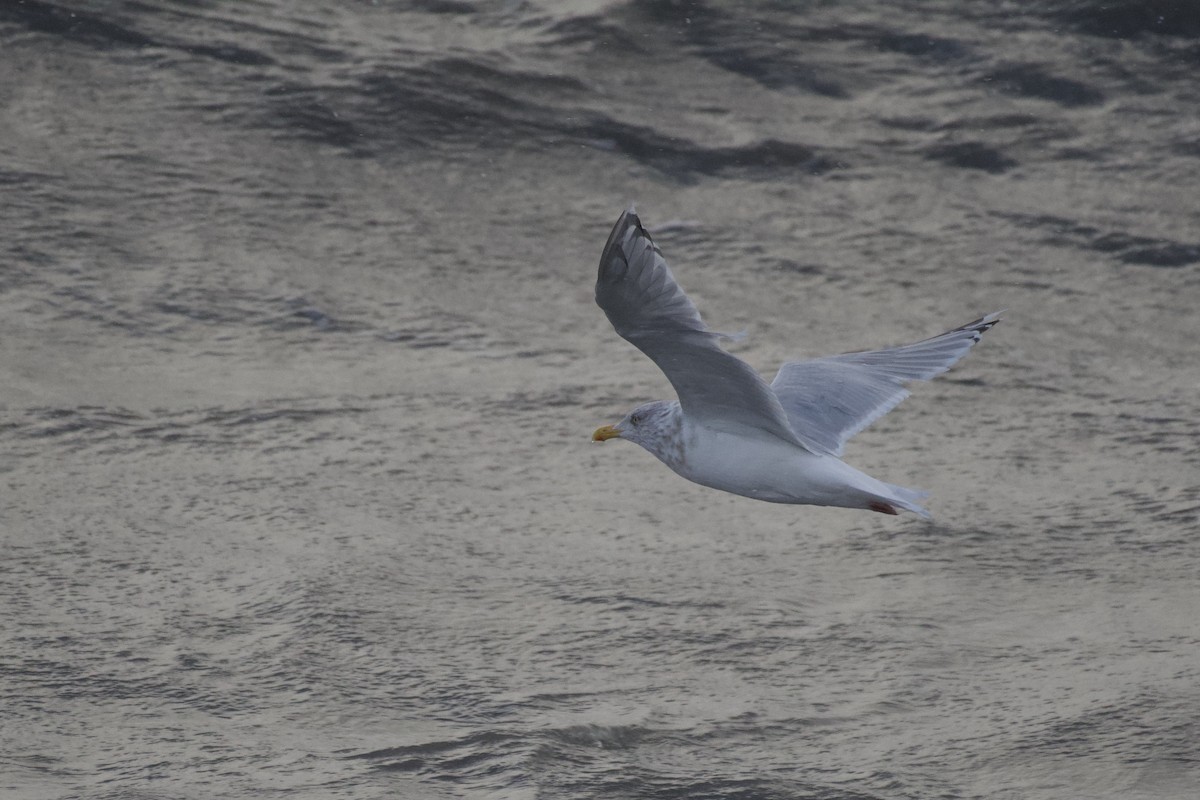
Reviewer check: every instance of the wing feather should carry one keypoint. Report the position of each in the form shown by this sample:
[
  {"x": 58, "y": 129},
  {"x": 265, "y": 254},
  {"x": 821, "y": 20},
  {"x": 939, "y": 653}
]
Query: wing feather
[
  {"x": 828, "y": 400},
  {"x": 639, "y": 295}
]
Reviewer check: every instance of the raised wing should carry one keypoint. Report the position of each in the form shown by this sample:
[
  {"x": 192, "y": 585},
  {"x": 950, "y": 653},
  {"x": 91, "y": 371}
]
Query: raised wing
[
  {"x": 828, "y": 400},
  {"x": 645, "y": 305}
]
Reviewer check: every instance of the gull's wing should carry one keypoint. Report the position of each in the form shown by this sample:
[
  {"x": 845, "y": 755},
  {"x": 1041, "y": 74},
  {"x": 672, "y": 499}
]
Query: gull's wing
[
  {"x": 645, "y": 305},
  {"x": 828, "y": 400}
]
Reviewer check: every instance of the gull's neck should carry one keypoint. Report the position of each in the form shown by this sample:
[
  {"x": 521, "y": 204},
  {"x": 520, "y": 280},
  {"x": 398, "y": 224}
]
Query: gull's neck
[{"x": 665, "y": 437}]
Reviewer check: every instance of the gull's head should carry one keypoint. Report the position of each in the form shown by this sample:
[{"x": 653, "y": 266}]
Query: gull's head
[{"x": 655, "y": 426}]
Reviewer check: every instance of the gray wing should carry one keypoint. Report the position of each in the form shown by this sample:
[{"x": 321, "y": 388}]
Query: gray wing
[
  {"x": 647, "y": 307},
  {"x": 828, "y": 400}
]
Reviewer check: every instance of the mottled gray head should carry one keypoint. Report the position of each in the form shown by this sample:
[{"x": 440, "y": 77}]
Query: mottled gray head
[{"x": 655, "y": 426}]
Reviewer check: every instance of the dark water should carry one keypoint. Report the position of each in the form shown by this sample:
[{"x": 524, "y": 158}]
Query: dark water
[{"x": 300, "y": 361}]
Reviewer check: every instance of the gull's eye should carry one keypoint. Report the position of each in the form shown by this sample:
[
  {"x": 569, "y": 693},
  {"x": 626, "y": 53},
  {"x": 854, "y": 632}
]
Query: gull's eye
[{"x": 636, "y": 419}]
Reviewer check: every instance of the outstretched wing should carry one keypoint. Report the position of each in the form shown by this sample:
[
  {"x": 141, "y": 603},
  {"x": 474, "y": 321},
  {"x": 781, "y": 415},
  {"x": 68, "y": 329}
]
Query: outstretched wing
[
  {"x": 645, "y": 305},
  {"x": 828, "y": 400}
]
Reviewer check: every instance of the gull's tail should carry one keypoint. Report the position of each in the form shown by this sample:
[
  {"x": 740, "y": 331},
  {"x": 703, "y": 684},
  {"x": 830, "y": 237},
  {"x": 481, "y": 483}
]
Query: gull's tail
[{"x": 900, "y": 497}]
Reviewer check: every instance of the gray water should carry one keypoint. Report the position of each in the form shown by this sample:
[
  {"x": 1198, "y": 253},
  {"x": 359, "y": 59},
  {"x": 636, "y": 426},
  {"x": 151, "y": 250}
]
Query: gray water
[{"x": 299, "y": 364}]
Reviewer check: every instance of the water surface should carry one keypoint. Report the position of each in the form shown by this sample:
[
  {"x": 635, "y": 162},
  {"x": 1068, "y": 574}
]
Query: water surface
[{"x": 300, "y": 362}]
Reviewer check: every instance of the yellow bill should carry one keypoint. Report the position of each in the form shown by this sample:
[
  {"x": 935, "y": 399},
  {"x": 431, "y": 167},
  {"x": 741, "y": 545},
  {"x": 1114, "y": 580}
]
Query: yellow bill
[{"x": 605, "y": 433}]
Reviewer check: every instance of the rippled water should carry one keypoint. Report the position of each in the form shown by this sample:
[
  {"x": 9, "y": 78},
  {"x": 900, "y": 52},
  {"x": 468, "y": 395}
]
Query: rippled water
[{"x": 300, "y": 362}]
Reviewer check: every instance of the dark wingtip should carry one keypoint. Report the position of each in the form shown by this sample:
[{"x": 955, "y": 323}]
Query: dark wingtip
[
  {"x": 988, "y": 320},
  {"x": 612, "y": 249},
  {"x": 983, "y": 324},
  {"x": 629, "y": 217}
]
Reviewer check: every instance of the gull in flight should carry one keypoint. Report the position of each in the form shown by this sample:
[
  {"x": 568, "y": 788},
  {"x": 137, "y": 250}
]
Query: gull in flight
[{"x": 733, "y": 431}]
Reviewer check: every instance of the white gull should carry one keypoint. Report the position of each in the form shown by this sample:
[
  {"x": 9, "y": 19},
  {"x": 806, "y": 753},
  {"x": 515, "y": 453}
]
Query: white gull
[{"x": 732, "y": 431}]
